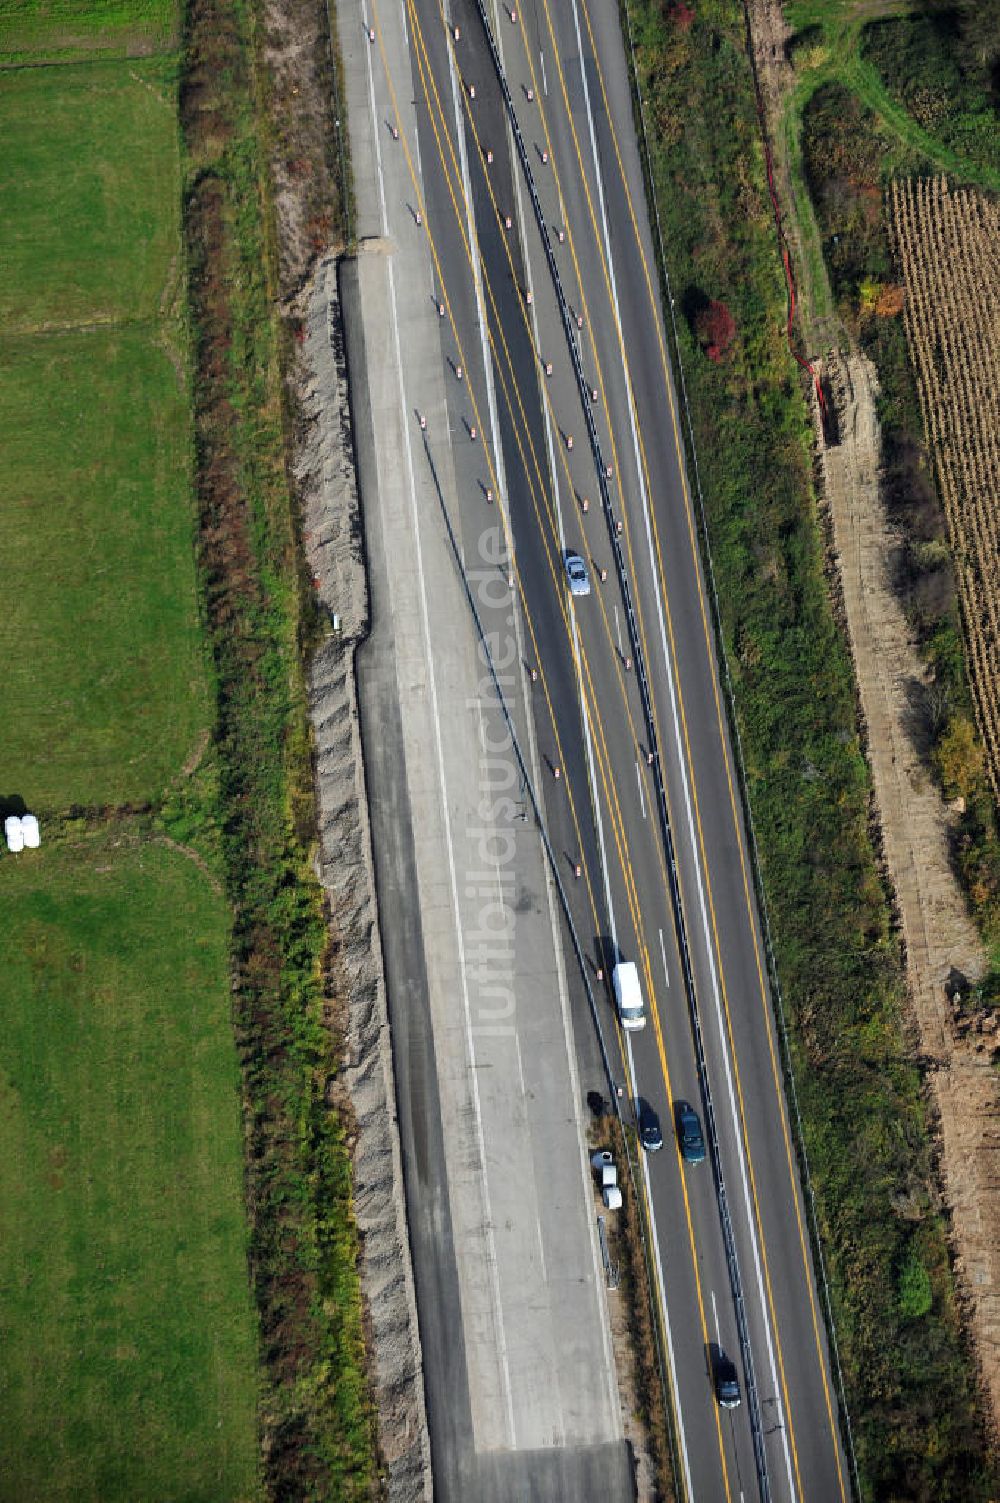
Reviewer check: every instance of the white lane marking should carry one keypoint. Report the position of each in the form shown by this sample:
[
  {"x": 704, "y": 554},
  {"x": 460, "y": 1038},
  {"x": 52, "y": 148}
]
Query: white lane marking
[
  {"x": 605, "y": 869},
  {"x": 737, "y": 1135},
  {"x": 545, "y": 82},
  {"x": 436, "y": 716},
  {"x": 715, "y": 1317},
  {"x": 524, "y": 1096},
  {"x": 642, "y": 796},
  {"x": 491, "y": 1256},
  {"x": 618, "y": 634},
  {"x": 596, "y": 804},
  {"x": 502, "y": 895},
  {"x": 555, "y": 918},
  {"x": 681, "y": 1432},
  {"x": 574, "y": 1075},
  {"x": 376, "y": 135},
  {"x": 477, "y": 278},
  {"x": 663, "y": 957},
  {"x": 503, "y": 898}
]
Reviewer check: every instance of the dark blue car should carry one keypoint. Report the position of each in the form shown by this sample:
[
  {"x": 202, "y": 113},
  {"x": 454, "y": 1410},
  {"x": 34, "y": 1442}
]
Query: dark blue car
[
  {"x": 689, "y": 1133},
  {"x": 727, "y": 1384}
]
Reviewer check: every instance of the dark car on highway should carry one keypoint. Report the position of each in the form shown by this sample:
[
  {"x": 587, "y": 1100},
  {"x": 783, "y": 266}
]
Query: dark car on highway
[
  {"x": 727, "y": 1384},
  {"x": 648, "y": 1124},
  {"x": 689, "y": 1133}
]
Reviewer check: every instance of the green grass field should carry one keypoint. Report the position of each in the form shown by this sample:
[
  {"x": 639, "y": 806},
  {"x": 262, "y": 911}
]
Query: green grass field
[
  {"x": 60, "y": 26},
  {"x": 99, "y": 636},
  {"x": 129, "y": 1363},
  {"x": 90, "y": 198},
  {"x": 128, "y": 1345}
]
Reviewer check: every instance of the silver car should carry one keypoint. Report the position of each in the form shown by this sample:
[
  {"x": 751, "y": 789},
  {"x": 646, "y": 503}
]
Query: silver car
[{"x": 576, "y": 573}]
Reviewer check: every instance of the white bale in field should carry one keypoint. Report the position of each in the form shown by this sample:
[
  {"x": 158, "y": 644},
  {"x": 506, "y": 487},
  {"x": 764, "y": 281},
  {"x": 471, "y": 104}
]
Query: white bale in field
[
  {"x": 30, "y": 832},
  {"x": 13, "y": 834}
]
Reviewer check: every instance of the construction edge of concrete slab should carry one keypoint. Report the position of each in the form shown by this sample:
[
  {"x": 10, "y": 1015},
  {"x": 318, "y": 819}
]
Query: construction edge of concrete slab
[
  {"x": 463, "y": 1467},
  {"x": 326, "y": 477}
]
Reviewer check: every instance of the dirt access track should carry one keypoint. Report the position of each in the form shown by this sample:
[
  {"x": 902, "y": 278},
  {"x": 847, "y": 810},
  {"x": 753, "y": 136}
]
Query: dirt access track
[
  {"x": 943, "y": 950},
  {"x": 941, "y": 942}
]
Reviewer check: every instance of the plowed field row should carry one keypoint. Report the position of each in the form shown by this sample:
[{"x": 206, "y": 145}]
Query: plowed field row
[{"x": 948, "y": 245}]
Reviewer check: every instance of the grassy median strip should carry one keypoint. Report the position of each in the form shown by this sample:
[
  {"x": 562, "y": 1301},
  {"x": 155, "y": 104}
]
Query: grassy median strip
[{"x": 910, "y": 1386}]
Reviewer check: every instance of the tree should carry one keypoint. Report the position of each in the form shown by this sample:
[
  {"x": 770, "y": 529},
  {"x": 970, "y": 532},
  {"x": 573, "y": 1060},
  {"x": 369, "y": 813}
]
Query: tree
[
  {"x": 716, "y": 329},
  {"x": 979, "y": 35}
]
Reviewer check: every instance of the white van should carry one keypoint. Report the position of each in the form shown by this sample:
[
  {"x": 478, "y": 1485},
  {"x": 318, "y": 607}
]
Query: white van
[{"x": 628, "y": 994}]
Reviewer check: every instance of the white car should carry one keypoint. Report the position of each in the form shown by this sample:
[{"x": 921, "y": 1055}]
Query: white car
[{"x": 576, "y": 573}]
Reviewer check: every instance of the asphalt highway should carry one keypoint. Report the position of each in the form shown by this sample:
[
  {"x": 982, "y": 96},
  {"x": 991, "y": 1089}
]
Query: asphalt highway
[{"x": 734, "y": 1270}]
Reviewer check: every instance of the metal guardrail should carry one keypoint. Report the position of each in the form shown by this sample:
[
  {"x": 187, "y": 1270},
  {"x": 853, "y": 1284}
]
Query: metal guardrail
[
  {"x": 753, "y": 1399},
  {"x": 578, "y": 951},
  {"x": 778, "y": 1003},
  {"x": 610, "y": 1269}
]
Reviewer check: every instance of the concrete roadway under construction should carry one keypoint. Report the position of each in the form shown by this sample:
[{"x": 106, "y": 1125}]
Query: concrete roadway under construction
[
  {"x": 521, "y": 1392},
  {"x": 474, "y": 466}
]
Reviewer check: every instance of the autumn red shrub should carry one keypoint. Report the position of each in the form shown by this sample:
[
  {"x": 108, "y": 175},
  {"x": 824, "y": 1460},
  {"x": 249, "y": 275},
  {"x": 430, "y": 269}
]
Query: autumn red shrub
[{"x": 716, "y": 328}]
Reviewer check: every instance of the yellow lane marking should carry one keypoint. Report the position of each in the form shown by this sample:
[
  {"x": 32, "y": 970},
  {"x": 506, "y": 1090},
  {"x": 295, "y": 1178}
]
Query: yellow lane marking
[
  {"x": 704, "y": 859},
  {"x": 493, "y": 477},
  {"x": 549, "y": 504},
  {"x": 762, "y": 988}
]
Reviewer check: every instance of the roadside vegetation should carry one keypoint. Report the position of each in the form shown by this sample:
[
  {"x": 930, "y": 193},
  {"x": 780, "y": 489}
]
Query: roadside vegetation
[
  {"x": 318, "y": 1418},
  {"x": 908, "y": 1376},
  {"x": 932, "y": 69},
  {"x": 178, "y": 1282},
  {"x": 130, "y": 1345},
  {"x": 849, "y": 155}
]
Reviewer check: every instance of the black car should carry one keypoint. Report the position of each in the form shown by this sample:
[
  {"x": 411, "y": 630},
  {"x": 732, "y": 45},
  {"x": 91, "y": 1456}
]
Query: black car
[
  {"x": 648, "y": 1124},
  {"x": 727, "y": 1384},
  {"x": 689, "y": 1133}
]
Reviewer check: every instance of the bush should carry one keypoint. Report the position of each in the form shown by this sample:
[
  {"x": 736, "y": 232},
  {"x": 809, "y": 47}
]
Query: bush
[
  {"x": 958, "y": 758},
  {"x": 913, "y": 1287},
  {"x": 716, "y": 329}
]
